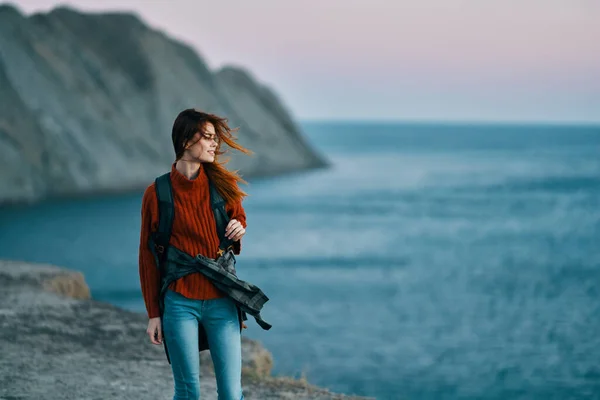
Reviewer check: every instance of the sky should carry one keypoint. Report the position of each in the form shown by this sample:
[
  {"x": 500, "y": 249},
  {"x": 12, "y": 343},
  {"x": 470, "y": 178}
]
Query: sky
[{"x": 418, "y": 60}]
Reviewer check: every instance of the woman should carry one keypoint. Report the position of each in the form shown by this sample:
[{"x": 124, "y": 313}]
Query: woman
[{"x": 194, "y": 299}]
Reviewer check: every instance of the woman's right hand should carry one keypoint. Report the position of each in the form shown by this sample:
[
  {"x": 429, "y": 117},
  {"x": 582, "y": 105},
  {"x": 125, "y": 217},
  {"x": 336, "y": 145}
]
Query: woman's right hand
[{"x": 154, "y": 330}]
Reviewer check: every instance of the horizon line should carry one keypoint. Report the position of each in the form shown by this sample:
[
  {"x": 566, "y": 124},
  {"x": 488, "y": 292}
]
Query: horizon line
[{"x": 452, "y": 121}]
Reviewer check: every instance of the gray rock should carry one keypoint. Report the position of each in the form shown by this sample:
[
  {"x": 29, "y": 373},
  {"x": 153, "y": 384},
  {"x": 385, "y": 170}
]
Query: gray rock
[
  {"x": 87, "y": 103},
  {"x": 57, "y": 343}
]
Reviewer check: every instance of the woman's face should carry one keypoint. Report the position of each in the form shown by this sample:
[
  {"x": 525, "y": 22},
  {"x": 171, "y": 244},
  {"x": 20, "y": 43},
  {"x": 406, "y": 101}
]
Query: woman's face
[{"x": 202, "y": 147}]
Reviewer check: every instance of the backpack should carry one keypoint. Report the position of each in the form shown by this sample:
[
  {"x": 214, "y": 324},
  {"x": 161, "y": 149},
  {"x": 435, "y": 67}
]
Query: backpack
[{"x": 166, "y": 211}]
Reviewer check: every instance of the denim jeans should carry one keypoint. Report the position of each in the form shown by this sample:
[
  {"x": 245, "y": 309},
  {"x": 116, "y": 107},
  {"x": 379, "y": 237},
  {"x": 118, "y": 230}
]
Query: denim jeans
[{"x": 220, "y": 321}]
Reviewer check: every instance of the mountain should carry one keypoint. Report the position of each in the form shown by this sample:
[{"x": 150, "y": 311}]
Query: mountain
[{"x": 87, "y": 102}]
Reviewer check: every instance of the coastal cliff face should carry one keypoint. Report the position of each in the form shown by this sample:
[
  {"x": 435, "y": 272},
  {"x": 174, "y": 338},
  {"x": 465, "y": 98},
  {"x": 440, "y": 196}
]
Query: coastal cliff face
[
  {"x": 58, "y": 343},
  {"x": 87, "y": 103}
]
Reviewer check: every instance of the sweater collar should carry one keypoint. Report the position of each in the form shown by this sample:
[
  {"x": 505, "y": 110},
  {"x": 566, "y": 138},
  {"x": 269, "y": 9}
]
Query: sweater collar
[{"x": 182, "y": 181}]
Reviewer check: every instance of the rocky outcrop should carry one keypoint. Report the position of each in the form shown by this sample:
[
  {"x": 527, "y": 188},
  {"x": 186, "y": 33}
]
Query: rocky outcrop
[
  {"x": 87, "y": 103},
  {"x": 58, "y": 343}
]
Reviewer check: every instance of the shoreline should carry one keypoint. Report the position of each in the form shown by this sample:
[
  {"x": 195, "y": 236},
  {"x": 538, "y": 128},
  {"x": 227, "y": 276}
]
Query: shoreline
[
  {"x": 60, "y": 343},
  {"x": 83, "y": 194}
]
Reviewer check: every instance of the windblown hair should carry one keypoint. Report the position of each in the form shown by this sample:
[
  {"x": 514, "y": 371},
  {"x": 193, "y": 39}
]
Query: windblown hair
[{"x": 191, "y": 121}]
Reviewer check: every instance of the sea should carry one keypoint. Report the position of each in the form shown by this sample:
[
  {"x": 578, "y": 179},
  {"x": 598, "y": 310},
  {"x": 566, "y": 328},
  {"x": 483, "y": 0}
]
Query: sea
[{"x": 427, "y": 261}]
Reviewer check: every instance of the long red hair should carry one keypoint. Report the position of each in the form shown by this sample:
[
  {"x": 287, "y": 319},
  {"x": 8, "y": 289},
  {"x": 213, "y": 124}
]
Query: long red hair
[{"x": 191, "y": 121}]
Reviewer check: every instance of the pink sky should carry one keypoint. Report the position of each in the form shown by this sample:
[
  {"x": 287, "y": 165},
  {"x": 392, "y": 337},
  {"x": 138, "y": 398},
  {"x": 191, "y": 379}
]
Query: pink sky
[{"x": 509, "y": 60}]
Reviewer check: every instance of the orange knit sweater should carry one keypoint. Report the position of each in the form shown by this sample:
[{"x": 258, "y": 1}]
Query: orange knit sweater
[{"x": 194, "y": 232}]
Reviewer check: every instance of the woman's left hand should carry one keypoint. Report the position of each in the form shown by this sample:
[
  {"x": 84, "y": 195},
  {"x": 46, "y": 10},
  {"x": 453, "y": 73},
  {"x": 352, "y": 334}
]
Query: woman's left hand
[{"x": 234, "y": 230}]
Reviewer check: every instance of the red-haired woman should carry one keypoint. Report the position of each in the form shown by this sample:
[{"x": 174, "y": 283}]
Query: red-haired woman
[{"x": 194, "y": 299}]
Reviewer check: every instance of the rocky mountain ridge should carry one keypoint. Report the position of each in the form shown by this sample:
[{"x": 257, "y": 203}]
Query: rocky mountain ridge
[{"x": 87, "y": 102}]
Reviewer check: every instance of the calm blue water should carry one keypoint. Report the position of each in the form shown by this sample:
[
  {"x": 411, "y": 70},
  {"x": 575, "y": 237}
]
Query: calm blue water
[{"x": 429, "y": 262}]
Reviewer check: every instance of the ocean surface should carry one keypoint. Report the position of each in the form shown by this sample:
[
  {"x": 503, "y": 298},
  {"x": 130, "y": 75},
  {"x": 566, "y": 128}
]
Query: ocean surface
[{"x": 428, "y": 262}]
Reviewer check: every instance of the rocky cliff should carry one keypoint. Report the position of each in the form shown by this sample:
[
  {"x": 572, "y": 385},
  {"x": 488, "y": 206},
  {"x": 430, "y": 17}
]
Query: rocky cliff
[
  {"x": 58, "y": 343},
  {"x": 87, "y": 103}
]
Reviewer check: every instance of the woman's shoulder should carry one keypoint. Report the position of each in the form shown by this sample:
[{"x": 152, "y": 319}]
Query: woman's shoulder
[
  {"x": 149, "y": 197},
  {"x": 150, "y": 189}
]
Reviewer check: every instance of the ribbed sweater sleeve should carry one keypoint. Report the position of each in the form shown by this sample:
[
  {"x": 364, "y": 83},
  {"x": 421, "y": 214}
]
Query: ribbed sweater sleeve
[{"x": 148, "y": 271}]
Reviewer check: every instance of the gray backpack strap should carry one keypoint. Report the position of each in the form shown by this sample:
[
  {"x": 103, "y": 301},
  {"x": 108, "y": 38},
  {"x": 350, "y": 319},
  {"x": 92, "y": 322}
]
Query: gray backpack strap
[
  {"x": 166, "y": 212},
  {"x": 221, "y": 218}
]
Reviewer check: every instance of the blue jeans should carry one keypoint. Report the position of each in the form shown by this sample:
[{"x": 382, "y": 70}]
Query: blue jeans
[{"x": 180, "y": 327}]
